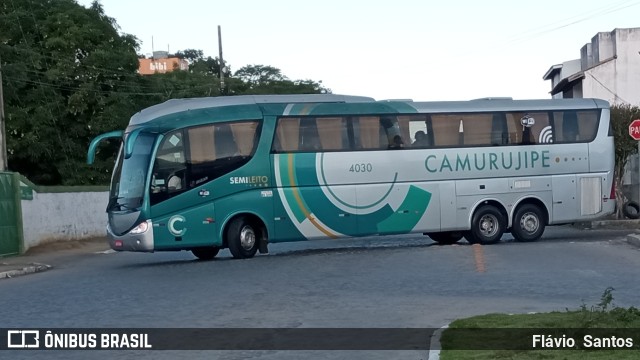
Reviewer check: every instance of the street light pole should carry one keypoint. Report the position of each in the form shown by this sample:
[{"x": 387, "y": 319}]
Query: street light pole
[
  {"x": 3, "y": 141},
  {"x": 221, "y": 61}
]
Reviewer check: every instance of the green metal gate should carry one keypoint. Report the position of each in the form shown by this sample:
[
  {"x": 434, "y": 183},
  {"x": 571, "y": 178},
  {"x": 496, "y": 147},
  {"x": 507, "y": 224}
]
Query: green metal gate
[{"x": 10, "y": 214}]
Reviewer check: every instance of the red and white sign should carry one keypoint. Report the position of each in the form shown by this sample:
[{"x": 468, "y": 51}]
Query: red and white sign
[{"x": 634, "y": 129}]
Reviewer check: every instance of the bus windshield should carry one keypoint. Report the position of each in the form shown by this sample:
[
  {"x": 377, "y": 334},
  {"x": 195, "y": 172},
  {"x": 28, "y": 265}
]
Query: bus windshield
[{"x": 129, "y": 177}]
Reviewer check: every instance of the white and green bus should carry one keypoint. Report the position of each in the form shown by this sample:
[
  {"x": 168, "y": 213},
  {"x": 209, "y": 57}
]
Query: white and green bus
[{"x": 244, "y": 171}]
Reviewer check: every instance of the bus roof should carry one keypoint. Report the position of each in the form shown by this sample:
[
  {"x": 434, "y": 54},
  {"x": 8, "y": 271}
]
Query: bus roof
[
  {"x": 174, "y": 106},
  {"x": 506, "y": 104},
  {"x": 178, "y": 105}
]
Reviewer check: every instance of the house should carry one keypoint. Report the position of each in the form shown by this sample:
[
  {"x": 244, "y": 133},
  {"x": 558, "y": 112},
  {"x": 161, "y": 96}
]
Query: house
[
  {"x": 161, "y": 63},
  {"x": 608, "y": 68}
]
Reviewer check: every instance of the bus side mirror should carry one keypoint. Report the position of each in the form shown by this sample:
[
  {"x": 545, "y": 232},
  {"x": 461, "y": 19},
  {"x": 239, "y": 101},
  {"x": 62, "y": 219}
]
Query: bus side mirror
[
  {"x": 91, "y": 154},
  {"x": 129, "y": 141}
]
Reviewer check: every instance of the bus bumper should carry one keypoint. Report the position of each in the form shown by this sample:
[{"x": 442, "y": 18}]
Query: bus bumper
[{"x": 141, "y": 242}]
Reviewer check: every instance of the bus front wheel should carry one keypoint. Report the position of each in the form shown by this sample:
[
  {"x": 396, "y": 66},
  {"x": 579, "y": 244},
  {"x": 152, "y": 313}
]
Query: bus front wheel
[
  {"x": 528, "y": 223},
  {"x": 242, "y": 238},
  {"x": 205, "y": 253},
  {"x": 487, "y": 226}
]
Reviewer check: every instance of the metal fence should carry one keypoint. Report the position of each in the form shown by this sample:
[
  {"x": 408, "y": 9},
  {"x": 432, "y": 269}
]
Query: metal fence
[{"x": 10, "y": 214}]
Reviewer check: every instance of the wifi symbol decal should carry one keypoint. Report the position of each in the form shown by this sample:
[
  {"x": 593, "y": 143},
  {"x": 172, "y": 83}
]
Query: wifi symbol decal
[{"x": 546, "y": 135}]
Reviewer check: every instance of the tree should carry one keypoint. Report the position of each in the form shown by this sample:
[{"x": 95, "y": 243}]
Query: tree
[
  {"x": 621, "y": 116},
  {"x": 261, "y": 79},
  {"x": 209, "y": 66},
  {"x": 259, "y": 75},
  {"x": 191, "y": 55},
  {"x": 181, "y": 84},
  {"x": 69, "y": 75},
  {"x": 199, "y": 64}
]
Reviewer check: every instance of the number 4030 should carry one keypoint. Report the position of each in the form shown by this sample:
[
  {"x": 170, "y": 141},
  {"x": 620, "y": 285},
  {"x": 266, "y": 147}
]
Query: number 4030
[{"x": 363, "y": 167}]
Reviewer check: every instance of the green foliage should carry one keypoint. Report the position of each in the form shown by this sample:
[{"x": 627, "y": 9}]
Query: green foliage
[
  {"x": 190, "y": 54},
  {"x": 70, "y": 75},
  {"x": 496, "y": 336},
  {"x": 67, "y": 78},
  {"x": 621, "y": 116},
  {"x": 199, "y": 64},
  {"x": 259, "y": 75},
  {"x": 261, "y": 79},
  {"x": 606, "y": 314}
]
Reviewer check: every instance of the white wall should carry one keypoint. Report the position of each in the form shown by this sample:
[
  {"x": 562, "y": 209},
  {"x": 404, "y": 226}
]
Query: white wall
[
  {"x": 620, "y": 76},
  {"x": 63, "y": 217}
]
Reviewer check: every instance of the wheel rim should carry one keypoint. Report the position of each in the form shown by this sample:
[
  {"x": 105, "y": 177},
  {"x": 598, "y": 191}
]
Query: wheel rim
[
  {"x": 529, "y": 222},
  {"x": 247, "y": 237},
  {"x": 488, "y": 225}
]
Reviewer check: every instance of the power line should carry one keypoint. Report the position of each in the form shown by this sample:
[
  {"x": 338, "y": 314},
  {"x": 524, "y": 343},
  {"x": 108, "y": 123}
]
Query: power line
[
  {"x": 528, "y": 35},
  {"x": 77, "y": 88}
]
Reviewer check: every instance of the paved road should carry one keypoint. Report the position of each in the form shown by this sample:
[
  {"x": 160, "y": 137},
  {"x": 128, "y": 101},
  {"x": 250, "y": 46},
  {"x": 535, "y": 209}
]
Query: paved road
[{"x": 404, "y": 281}]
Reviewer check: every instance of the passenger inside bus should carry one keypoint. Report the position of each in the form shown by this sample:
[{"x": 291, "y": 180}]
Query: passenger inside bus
[
  {"x": 421, "y": 139},
  {"x": 397, "y": 143},
  {"x": 174, "y": 183}
]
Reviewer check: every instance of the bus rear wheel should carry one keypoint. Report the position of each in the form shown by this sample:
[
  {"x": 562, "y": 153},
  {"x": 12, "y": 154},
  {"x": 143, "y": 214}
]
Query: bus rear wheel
[
  {"x": 528, "y": 223},
  {"x": 446, "y": 238},
  {"x": 487, "y": 226},
  {"x": 205, "y": 253},
  {"x": 242, "y": 238}
]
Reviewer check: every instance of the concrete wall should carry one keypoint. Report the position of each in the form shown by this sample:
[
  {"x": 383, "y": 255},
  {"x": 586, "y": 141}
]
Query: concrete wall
[
  {"x": 602, "y": 46},
  {"x": 617, "y": 80},
  {"x": 586, "y": 57},
  {"x": 611, "y": 65},
  {"x": 627, "y": 71},
  {"x": 63, "y": 216},
  {"x": 600, "y": 83}
]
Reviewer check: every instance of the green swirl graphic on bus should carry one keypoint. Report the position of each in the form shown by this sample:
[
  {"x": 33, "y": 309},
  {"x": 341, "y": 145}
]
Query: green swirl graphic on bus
[{"x": 318, "y": 208}]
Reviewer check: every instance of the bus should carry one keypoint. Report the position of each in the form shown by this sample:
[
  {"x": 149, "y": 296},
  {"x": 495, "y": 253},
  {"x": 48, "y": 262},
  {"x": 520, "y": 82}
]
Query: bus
[{"x": 241, "y": 172}]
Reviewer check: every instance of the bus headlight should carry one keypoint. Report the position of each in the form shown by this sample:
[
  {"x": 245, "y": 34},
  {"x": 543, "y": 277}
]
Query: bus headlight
[{"x": 141, "y": 228}]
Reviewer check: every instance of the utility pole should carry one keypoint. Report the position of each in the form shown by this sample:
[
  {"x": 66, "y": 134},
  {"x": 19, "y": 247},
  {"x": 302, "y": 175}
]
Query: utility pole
[
  {"x": 221, "y": 61},
  {"x": 3, "y": 141}
]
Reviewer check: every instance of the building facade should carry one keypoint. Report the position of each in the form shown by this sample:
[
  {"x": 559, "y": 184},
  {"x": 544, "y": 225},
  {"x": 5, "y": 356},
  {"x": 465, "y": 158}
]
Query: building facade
[
  {"x": 608, "y": 68},
  {"x": 161, "y": 63}
]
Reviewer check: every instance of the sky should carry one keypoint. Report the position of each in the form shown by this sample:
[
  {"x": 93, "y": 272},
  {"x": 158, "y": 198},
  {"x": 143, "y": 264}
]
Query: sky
[{"x": 402, "y": 49}]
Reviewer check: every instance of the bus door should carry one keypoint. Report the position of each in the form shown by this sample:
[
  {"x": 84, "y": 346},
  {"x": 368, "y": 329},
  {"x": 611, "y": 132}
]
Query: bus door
[{"x": 565, "y": 201}]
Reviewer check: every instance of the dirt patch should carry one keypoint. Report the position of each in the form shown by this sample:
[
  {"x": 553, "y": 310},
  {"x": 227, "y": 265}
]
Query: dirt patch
[{"x": 98, "y": 243}]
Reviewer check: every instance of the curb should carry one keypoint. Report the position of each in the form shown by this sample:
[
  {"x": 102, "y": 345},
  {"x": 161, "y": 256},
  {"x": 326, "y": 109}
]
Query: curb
[
  {"x": 29, "y": 269},
  {"x": 608, "y": 224},
  {"x": 633, "y": 239},
  {"x": 434, "y": 344}
]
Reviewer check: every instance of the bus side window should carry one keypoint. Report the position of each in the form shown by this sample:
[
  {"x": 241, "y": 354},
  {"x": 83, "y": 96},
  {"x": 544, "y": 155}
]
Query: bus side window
[
  {"x": 287, "y": 135},
  {"x": 332, "y": 133},
  {"x": 309, "y": 138},
  {"x": 499, "y": 130},
  {"x": 366, "y": 132},
  {"x": 225, "y": 144},
  {"x": 570, "y": 127},
  {"x": 392, "y": 130},
  {"x": 538, "y": 128}
]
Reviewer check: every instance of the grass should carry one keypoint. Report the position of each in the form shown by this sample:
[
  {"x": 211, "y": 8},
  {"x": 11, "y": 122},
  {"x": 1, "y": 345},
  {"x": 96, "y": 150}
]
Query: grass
[{"x": 503, "y": 336}]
